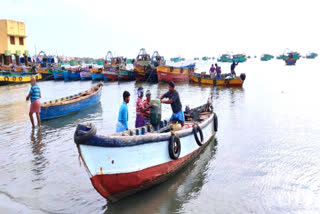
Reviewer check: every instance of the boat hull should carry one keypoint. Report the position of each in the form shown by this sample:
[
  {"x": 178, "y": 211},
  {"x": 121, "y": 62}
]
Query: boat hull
[
  {"x": 125, "y": 75},
  {"x": 236, "y": 82},
  {"x": 114, "y": 177},
  {"x": 6, "y": 79},
  {"x": 97, "y": 76},
  {"x": 110, "y": 75},
  {"x": 58, "y": 75},
  {"x": 63, "y": 110},
  {"x": 85, "y": 75},
  {"x": 71, "y": 75},
  {"x": 175, "y": 74}
]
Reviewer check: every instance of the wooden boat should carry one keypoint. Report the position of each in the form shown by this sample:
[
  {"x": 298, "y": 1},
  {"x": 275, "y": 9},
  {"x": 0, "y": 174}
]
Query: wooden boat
[
  {"x": 227, "y": 82},
  {"x": 266, "y": 57},
  {"x": 71, "y": 104},
  {"x": 97, "y": 74},
  {"x": 126, "y": 75},
  {"x": 111, "y": 74},
  {"x": 311, "y": 55},
  {"x": 225, "y": 58},
  {"x": 85, "y": 74},
  {"x": 71, "y": 74},
  {"x": 125, "y": 163},
  {"x": 142, "y": 65},
  {"x": 290, "y": 61},
  {"x": 176, "y": 74},
  {"x": 46, "y": 73},
  {"x": 16, "y": 78},
  {"x": 239, "y": 58},
  {"x": 58, "y": 74}
]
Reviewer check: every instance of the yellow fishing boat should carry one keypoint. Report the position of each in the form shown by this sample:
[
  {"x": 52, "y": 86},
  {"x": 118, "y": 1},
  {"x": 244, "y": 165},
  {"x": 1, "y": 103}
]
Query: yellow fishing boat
[
  {"x": 176, "y": 74},
  {"x": 14, "y": 78},
  {"x": 227, "y": 82}
]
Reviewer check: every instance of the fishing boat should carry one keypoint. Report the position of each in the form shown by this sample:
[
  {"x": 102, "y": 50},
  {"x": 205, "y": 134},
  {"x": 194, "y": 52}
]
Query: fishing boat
[
  {"x": 111, "y": 74},
  {"x": 97, "y": 74},
  {"x": 205, "y": 58},
  {"x": 176, "y": 59},
  {"x": 239, "y": 58},
  {"x": 58, "y": 74},
  {"x": 71, "y": 74},
  {"x": 290, "y": 61},
  {"x": 126, "y": 75},
  {"x": 176, "y": 74},
  {"x": 46, "y": 72},
  {"x": 225, "y": 58},
  {"x": 16, "y": 78},
  {"x": 311, "y": 55},
  {"x": 224, "y": 81},
  {"x": 125, "y": 163},
  {"x": 282, "y": 56},
  {"x": 142, "y": 65},
  {"x": 71, "y": 104},
  {"x": 266, "y": 57},
  {"x": 85, "y": 74}
]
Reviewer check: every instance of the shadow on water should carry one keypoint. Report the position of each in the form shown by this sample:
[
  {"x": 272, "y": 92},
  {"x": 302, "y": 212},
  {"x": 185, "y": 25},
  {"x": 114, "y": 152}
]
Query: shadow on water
[
  {"x": 39, "y": 161},
  {"x": 169, "y": 196},
  {"x": 83, "y": 116}
]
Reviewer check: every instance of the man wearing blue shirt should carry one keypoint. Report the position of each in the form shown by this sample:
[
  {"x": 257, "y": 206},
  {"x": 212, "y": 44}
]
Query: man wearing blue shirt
[
  {"x": 122, "y": 124},
  {"x": 35, "y": 107}
]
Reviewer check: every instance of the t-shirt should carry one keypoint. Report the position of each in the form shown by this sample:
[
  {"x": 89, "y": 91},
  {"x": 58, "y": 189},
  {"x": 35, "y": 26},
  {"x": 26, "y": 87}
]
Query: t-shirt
[
  {"x": 147, "y": 112},
  {"x": 35, "y": 92},
  {"x": 233, "y": 66},
  {"x": 123, "y": 115},
  {"x": 176, "y": 104},
  {"x": 139, "y": 106},
  {"x": 212, "y": 69}
]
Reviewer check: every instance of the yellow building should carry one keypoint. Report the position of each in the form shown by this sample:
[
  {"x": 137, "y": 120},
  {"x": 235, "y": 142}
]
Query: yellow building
[{"x": 12, "y": 40}]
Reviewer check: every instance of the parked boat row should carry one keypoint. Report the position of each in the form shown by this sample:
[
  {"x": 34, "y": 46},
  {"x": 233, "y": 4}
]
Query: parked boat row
[{"x": 17, "y": 78}]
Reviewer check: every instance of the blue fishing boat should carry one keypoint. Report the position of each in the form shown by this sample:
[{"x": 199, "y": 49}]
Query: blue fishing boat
[
  {"x": 58, "y": 74},
  {"x": 71, "y": 75},
  {"x": 190, "y": 66},
  {"x": 97, "y": 74},
  {"x": 71, "y": 104}
]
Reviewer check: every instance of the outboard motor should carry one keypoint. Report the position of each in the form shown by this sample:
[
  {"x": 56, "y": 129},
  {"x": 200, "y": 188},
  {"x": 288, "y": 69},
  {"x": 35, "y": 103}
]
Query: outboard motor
[{"x": 243, "y": 76}]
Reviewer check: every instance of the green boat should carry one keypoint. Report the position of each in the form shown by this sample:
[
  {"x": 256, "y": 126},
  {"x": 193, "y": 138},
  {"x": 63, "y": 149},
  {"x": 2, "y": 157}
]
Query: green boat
[
  {"x": 204, "y": 58},
  {"x": 225, "y": 58},
  {"x": 239, "y": 58},
  {"x": 311, "y": 55},
  {"x": 266, "y": 57}
]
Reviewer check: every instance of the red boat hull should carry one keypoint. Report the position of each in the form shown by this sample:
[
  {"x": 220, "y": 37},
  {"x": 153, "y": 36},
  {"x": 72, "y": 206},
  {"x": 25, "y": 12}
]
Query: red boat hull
[
  {"x": 167, "y": 77},
  {"x": 117, "y": 186}
]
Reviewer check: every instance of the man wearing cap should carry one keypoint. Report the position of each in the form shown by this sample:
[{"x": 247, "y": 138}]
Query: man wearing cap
[
  {"x": 174, "y": 100},
  {"x": 140, "y": 109}
]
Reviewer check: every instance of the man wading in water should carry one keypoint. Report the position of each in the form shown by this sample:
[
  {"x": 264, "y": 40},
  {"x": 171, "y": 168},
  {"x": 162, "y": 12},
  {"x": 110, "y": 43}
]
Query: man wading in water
[
  {"x": 35, "y": 106},
  {"x": 174, "y": 100}
]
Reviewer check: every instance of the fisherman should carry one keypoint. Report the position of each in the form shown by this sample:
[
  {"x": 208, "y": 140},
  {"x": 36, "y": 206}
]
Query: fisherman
[
  {"x": 122, "y": 124},
  {"x": 147, "y": 106},
  {"x": 35, "y": 107},
  {"x": 212, "y": 72},
  {"x": 140, "y": 109},
  {"x": 233, "y": 66},
  {"x": 174, "y": 100},
  {"x": 218, "y": 71}
]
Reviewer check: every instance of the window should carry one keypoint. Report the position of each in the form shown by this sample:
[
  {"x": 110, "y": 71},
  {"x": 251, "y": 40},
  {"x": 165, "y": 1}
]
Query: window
[
  {"x": 21, "y": 41},
  {"x": 12, "y": 40}
]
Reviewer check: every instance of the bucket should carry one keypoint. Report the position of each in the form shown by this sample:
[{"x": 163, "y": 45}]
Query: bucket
[{"x": 155, "y": 113}]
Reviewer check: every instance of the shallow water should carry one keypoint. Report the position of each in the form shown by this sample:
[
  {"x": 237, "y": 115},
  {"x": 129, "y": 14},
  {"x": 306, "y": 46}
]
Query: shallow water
[{"x": 264, "y": 158}]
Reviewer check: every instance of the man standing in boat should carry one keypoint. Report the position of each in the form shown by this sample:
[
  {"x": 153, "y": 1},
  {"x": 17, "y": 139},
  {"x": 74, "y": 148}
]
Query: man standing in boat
[
  {"x": 212, "y": 71},
  {"x": 233, "y": 67},
  {"x": 122, "y": 124},
  {"x": 35, "y": 107},
  {"x": 218, "y": 70},
  {"x": 140, "y": 109},
  {"x": 174, "y": 100},
  {"x": 147, "y": 106}
]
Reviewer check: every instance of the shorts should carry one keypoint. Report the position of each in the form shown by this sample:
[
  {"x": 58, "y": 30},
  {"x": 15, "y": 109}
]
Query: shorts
[
  {"x": 35, "y": 106},
  {"x": 120, "y": 127},
  {"x": 177, "y": 117}
]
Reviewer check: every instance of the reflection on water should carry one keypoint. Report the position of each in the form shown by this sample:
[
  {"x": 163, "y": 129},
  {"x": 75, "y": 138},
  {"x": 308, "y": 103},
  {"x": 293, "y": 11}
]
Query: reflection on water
[{"x": 169, "y": 196}]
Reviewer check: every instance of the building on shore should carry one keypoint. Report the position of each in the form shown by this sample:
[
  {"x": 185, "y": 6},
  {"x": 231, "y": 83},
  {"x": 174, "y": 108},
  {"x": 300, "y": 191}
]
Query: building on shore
[{"x": 12, "y": 42}]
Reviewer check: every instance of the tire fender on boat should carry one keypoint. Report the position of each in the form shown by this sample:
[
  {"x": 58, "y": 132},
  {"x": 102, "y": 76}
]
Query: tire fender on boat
[
  {"x": 14, "y": 78},
  {"x": 174, "y": 147},
  {"x": 6, "y": 78},
  {"x": 20, "y": 79},
  {"x": 215, "y": 122},
  {"x": 196, "y": 129},
  {"x": 84, "y": 132}
]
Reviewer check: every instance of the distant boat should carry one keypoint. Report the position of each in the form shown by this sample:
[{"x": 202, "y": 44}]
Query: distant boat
[
  {"x": 46, "y": 73},
  {"x": 71, "y": 74},
  {"x": 176, "y": 59},
  {"x": 97, "y": 74},
  {"x": 204, "y": 58},
  {"x": 225, "y": 81},
  {"x": 311, "y": 55},
  {"x": 266, "y": 57},
  {"x": 239, "y": 58},
  {"x": 71, "y": 104},
  {"x": 111, "y": 74},
  {"x": 125, "y": 75},
  {"x": 290, "y": 61},
  {"x": 225, "y": 58},
  {"x": 58, "y": 74},
  {"x": 85, "y": 74},
  {"x": 7, "y": 78}
]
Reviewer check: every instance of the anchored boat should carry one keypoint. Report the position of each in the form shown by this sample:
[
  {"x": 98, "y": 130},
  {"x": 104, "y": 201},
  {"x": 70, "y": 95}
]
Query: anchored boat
[
  {"x": 124, "y": 163},
  {"x": 16, "y": 78},
  {"x": 71, "y": 104},
  {"x": 176, "y": 74},
  {"x": 225, "y": 81}
]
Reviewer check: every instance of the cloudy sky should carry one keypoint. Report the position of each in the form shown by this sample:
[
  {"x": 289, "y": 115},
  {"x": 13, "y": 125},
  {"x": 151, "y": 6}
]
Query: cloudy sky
[{"x": 173, "y": 27}]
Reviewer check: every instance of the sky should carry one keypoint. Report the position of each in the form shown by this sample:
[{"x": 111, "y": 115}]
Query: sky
[{"x": 90, "y": 28}]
